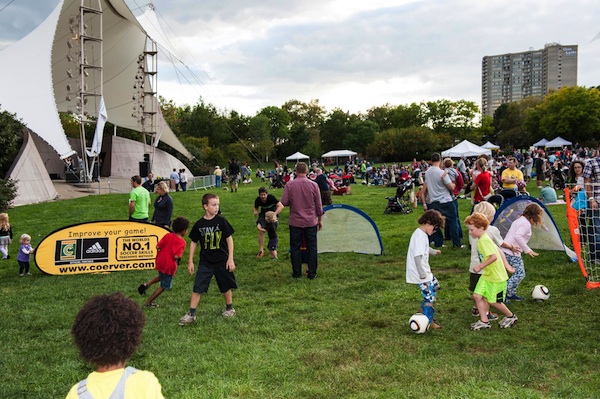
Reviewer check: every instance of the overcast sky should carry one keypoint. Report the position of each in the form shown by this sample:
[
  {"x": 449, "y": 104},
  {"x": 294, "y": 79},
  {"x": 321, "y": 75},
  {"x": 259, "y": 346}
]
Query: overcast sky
[{"x": 348, "y": 54}]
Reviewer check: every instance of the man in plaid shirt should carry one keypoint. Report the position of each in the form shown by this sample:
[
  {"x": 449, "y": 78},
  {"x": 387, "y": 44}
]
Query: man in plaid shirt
[{"x": 591, "y": 178}]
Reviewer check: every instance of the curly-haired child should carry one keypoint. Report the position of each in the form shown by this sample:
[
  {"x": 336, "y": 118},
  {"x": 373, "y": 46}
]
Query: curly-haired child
[
  {"x": 107, "y": 331},
  {"x": 418, "y": 270}
]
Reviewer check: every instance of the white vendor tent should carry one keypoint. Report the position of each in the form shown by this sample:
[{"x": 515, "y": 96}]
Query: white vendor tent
[
  {"x": 338, "y": 153},
  {"x": 467, "y": 149},
  {"x": 490, "y": 146},
  {"x": 557, "y": 142},
  {"x": 297, "y": 157},
  {"x": 540, "y": 143}
]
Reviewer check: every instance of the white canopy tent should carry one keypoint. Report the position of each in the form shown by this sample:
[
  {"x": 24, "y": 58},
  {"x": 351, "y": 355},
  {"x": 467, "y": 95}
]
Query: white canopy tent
[
  {"x": 540, "y": 143},
  {"x": 490, "y": 146},
  {"x": 35, "y": 81},
  {"x": 557, "y": 142},
  {"x": 337, "y": 154},
  {"x": 467, "y": 149},
  {"x": 297, "y": 157}
]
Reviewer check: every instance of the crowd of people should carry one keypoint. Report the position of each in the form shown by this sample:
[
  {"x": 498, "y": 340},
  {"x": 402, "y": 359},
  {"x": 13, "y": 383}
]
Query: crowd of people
[{"x": 305, "y": 191}]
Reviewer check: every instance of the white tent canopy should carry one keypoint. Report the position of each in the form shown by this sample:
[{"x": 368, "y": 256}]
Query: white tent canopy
[
  {"x": 557, "y": 142},
  {"x": 297, "y": 156},
  {"x": 34, "y": 74},
  {"x": 540, "y": 143},
  {"x": 338, "y": 153},
  {"x": 490, "y": 146},
  {"x": 467, "y": 149}
]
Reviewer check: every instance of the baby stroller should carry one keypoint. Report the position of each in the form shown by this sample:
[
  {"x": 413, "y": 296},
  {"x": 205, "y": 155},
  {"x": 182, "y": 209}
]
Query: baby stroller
[{"x": 401, "y": 201}]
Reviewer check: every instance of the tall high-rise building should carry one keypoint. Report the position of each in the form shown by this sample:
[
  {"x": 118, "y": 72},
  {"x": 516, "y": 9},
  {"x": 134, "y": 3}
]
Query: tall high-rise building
[{"x": 511, "y": 77}]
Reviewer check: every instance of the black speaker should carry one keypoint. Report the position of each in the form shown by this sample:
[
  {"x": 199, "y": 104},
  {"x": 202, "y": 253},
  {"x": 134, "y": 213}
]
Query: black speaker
[{"x": 144, "y": 166}]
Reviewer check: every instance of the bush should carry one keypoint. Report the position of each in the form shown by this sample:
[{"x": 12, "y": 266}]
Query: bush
[{"x": 8, "y": 192}]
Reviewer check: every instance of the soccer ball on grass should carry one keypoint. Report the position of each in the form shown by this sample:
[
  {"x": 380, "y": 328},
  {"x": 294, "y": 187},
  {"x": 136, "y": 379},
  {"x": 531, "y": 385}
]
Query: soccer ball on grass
[
  {"x": 419, "y": 323},
  {"x": 540, "y": 293}
]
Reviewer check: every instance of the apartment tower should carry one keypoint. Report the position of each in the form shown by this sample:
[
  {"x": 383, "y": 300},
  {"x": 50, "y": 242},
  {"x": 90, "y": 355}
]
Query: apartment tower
[{"x": 511, "y": 77}]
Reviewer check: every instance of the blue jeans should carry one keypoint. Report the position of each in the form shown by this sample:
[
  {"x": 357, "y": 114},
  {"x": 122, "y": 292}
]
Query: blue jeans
[
  {"x": 450, "y": 212},
  {"x": 218, "y": 181},
  {"x": 303, "y": 237}
]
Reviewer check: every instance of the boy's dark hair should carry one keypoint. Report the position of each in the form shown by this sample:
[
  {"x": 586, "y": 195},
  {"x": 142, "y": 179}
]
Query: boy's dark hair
[
  {"x": 433, "y": 218},
  {"x": 180, "y": 224},
  {"x": 435, "y": 157},
  {"x": 137, "y": 179},
  {"x": 207, "y": 197},
  {"x": 108, "y": 328},
  {"x": 263, "y": 190}
]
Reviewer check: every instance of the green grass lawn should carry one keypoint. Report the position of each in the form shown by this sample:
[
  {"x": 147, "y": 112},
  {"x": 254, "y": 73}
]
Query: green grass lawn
[{"x": 343, "y": 335}]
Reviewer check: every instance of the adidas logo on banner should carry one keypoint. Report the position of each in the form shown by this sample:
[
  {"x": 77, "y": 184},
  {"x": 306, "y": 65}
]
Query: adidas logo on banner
[{"x": 95, "y": 249}]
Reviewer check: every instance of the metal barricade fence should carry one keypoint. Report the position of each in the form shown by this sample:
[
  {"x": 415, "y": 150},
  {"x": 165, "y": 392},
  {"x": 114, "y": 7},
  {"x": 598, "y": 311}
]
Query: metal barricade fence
[{"x": 202, "y": 182}]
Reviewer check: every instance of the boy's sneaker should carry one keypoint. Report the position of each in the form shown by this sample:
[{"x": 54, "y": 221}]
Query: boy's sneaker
[
  {"x": 142, "y": 289},
  {"x": 492, "y": 316},
  {"x": 514, "y": 298},
  {"x": 475, "y": 312},
  {"x": 480, "y": 325},
  {"x": 227, "y": 313},
  {"x": 151, "y": 305},
  {"x": 187, "y": 319},
  {"x": 508, "y": 322}
]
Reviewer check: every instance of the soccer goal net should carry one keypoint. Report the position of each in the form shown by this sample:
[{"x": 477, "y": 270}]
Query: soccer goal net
[{"x": 584, "y": 225}]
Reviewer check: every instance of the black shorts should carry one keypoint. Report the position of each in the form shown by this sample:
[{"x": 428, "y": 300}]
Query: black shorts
[
  {"x": 205, "y": 272},
  {"x": 473, "y": 279}
]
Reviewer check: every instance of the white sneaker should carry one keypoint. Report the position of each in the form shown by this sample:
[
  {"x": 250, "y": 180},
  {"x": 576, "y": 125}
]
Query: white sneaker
[
  {"x": 480, "y": 325},
  {"x": 228, "y": 313},
  {"x": 187, "y": 319},
  {"x": 508, "y": 322}
]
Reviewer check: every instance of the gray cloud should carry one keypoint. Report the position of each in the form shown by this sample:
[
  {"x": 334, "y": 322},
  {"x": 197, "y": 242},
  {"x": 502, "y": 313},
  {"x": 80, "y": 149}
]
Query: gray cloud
[{"x": 254, "y": 53}]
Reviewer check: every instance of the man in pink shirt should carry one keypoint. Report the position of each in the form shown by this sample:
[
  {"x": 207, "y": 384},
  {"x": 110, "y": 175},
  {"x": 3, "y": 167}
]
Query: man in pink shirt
[{"x": 303, "y": 198}]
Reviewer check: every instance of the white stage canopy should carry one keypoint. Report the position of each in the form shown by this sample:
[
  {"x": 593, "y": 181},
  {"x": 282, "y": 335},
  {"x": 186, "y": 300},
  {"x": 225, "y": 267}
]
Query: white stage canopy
[
  {"x": 540, "y": 143},
  {"x": 557, "y": 142},
  {"x": 37, "y": 73},
  {"x": 467, "y": 149},
  {"x": 297, "y": 156}
]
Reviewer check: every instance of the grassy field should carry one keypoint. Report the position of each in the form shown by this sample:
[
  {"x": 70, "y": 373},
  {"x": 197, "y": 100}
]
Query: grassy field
[{"x": 343, "y": 335}]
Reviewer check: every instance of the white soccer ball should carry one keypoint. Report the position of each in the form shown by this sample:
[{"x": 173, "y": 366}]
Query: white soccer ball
[
  {"x": 540, "y": 293},
  {"x": 419, "y": 323}
]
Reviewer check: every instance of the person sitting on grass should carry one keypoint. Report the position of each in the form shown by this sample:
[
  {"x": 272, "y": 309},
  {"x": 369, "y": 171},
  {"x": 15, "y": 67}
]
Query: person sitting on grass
[
  {"x": 169, "y": 251},
  {"x": 491, "y": 287},
  {"x": 107, "y": 332},
  {"x": 418, "y": 270}
]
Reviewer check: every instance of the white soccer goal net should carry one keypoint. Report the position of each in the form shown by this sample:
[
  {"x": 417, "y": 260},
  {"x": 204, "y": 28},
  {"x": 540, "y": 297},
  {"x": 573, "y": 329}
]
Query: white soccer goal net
[{"x": 584, "y": 226}]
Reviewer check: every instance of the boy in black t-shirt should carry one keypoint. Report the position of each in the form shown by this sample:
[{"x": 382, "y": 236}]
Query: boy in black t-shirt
[{"x": 213, "y": 234}]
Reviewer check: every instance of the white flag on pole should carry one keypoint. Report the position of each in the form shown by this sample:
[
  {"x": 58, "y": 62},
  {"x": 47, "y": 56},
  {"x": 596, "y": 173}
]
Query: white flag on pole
[{"x": 97, "y": 142}]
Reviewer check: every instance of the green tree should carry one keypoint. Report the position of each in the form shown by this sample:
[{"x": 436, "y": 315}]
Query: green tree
[
  {"x": 408, "y": 116},
  {"x": 11, "y": 132},
  {"x": 571, "y": 112},
  {"x": 279, "y": 124},
  {"x": 406, "y": 143}
]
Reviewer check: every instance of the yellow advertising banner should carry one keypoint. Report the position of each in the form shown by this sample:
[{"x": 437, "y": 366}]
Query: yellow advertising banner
[{"x": 97, "y": 247}]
